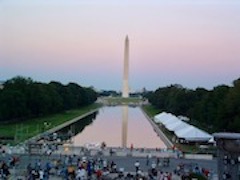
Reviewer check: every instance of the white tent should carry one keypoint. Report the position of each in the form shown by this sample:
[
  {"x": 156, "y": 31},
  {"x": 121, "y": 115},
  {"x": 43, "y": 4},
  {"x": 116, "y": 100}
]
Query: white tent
[
  {"x": 212, "y": 140},
  {"x": 172, "y": 120},
  {"x": 180, "y": 128},
  {"x": 176, "y": 124},
  {"x": 168, "y": 120},
  {"x": 192, "y": 133},
  {"x": 183, "y": 118},
  {"x": 160, "y": 117}
]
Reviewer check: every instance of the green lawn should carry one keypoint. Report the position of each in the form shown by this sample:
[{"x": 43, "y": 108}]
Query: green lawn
[
  {"x": 35, "y": 126},
  {"x": 150, "y": 110},
  {"x": 120, "y": 100}
]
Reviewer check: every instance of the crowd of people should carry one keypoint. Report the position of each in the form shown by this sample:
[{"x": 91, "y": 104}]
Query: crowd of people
[
  {"x": 5, "y": 166},
  {"x": 76, "y": 168},
  {"x": 72, "y": 167},
  {"x": 82, "y": 167}
]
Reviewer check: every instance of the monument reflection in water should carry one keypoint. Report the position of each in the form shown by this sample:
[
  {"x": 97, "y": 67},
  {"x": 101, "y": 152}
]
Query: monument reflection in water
[
  {"x": 124, "y": 125},
  {"x": 118, "y": 126}
]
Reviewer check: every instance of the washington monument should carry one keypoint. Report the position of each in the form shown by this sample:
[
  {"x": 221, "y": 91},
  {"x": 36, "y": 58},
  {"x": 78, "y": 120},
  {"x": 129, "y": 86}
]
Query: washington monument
[{"x": 125, "y": 90}]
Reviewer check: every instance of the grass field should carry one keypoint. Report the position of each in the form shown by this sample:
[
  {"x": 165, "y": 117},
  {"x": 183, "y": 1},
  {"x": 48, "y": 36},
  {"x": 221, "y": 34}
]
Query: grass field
[
  {"x": 32, "y": 127},
  {"x": 150, "y": 110},
  {"x": 120, "y": 100}
]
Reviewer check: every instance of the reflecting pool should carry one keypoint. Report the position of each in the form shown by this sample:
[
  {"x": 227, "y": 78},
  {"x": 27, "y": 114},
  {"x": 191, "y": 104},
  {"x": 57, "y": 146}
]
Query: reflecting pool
[{"x": 117, "y": 126}]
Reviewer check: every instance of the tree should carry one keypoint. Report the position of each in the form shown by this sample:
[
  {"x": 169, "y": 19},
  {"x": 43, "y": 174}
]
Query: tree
[
  {"x": 231, "y": 113},
  {"x": 13, "y": 106},
  {"x": 214, "y": 110},
  {"x": 22, "y": 98}
]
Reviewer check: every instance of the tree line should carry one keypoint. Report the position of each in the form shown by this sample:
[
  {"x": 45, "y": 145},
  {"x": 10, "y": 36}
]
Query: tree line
[
  {"x": 213, "y": 110},
  {"x": 22, "y": 98}
]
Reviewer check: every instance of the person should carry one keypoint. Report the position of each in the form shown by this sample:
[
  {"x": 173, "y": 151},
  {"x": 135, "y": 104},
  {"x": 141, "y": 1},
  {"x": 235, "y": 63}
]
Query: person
[
  {"x": 160, "y": 176},
  {"x": 81, "y": 174},
  {"x": 139, "y": 174},
  {"x": 147, "y": 160},
  {"x": 113, "y": 167},
  {"x": 103, "y": 145},
  {"x": 4, "y": 170},
  {"x": 131, "y": 147},
  {"x": 71, "y": 171},
  {"x": 166, "y": 162},
  {"x": 158, "y": 161},
  {"x": 111, "y": 152},
  {"x": 99, "y": 173},
  {"x": 89, "y": 168},
  {"x": 41, "y": 174},
  {"x": 154, "y": 171},
  {"x": 121, "y": 173},
  {"x": 137, "y": 165}
]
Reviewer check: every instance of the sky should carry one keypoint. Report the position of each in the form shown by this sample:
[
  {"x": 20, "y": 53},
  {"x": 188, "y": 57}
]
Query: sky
[{"x": 187, "y": 42}]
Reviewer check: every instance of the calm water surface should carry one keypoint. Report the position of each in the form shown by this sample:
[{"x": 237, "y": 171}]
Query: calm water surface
[{"x": 118, "y": 126}]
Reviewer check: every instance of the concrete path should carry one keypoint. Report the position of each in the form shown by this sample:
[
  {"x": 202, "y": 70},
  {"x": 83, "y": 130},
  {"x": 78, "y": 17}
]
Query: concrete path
[
  {"x": 163, "y": 137},
  {"x": 126, "y": 162}
]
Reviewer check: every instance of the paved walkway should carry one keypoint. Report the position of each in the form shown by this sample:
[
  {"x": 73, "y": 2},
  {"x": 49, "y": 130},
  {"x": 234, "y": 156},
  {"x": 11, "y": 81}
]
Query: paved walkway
[
  {"x": 124, "y": 158},
  {"x": 68, "y": 149},
  {"x": 163, "y": 137}
]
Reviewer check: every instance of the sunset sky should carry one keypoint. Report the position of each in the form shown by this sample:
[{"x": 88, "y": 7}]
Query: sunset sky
[{"x": 188, "y": 42}]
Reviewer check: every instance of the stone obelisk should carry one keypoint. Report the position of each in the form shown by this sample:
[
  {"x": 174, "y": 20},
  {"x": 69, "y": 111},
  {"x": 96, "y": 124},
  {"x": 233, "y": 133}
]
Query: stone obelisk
[{"x": 125, "y": 90}]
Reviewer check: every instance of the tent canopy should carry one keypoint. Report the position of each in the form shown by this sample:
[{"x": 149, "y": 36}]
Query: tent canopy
[
  {"x": 181, "y": 129},
  {"x": 160, "y": 117},
  {"x": 177, "y": 125},
  {"x": 192, "y": 133},
  {"x": 173, "y": 121},
  {"x": 165, "y": 118}
]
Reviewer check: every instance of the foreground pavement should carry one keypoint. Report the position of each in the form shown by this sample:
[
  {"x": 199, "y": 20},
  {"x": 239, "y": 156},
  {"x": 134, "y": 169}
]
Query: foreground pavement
[{"x": 124, "y": 159}]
